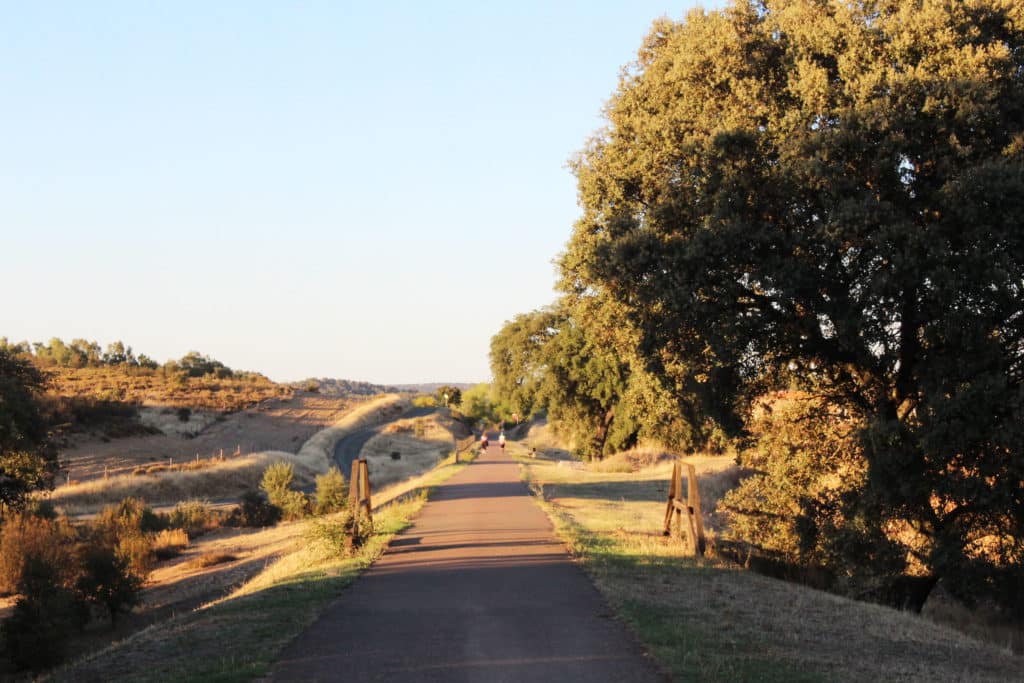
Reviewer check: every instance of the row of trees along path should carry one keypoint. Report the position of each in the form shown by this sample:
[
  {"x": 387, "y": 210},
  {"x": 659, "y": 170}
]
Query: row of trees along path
[{"x": 478, "y": 588}]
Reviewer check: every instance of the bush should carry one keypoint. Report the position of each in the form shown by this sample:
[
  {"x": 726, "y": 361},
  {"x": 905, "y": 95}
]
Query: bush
[
  {"x": 330, "y": 492},
  {"x": 126, "y": 528},
  {"x": 43, "y": 618},
  {"x": 254, "y": 511},
  {"x": 108, "y": 580},
  {"x": 194, "y": 517},
  {"x": 336, "y": 535},
  {"x": 277, "y": 479},
  {"x": 169, "y": 543},
  {"x": 25, "y": 538},
  {"x": 807, "y": 465},
  {"x": 424, "y": 402}
]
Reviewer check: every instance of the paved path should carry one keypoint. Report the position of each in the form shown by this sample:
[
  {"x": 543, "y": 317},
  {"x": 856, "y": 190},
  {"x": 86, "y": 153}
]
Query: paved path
[{"x": 478, "y": 589}]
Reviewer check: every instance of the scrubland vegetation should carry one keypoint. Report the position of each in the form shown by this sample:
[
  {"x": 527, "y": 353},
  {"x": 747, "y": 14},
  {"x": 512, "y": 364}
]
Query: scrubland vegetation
[{"x": 237, "y": 637}]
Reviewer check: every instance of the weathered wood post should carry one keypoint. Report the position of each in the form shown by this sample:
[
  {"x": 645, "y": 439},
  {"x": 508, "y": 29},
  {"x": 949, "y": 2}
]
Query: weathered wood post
[
  {"x": 693, "y": 528},
  {"x": 359, "y": 496}
]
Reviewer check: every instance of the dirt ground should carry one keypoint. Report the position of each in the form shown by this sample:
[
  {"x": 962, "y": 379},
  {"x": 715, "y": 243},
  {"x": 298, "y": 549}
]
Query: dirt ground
[{"x": 277, "y": 424}]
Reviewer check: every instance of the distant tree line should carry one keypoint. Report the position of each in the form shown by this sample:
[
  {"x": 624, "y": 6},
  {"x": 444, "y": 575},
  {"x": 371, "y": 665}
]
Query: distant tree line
[
  {"x": 340, "y": 387},
  {"x": 81, "y": 353},
  {"x": 801, "y": 232}
]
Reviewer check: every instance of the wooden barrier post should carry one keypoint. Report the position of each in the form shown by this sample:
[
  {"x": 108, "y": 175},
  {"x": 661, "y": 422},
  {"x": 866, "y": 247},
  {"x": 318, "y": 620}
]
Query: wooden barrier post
[
  {"x": 359, "y": 497},
  {"x": 693, "y": 528},
  {"x": 674, "y": 491}
]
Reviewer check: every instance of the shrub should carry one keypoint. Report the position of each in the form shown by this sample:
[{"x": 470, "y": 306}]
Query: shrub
[
  {"x": 108, "y": 580},
  {"x": 424, "y": 402},
  {"x": 193, "y": 516},
  {"x": 169, "y": 543},
  {"x": 277, "y": 479},
  {"x": 127, "y": 528},
  {"x": 340, "y": 535},
  {"x": 254, "y": 511},
  {"x": 294, "y": 505},
  {"x": 330, "y": 492},
  {"x": 25, "y": 538},
  {"x": 43, "y": 618}
]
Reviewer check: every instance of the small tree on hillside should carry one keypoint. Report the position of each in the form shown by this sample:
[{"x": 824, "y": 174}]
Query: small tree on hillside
[{"x": 28, "y": 460}]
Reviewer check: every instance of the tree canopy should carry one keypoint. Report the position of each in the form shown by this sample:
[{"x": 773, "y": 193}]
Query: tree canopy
[
  {"x": 27, "y": 459},
  {"x": 835, "y": 188}
]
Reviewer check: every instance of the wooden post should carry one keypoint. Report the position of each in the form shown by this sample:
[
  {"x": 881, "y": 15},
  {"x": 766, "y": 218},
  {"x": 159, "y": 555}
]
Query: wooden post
[
  {"x": 675, "y": 490},
  {"x": 692, "y": 531},
  {"x": 693, "y": 505},
  {"x": 359, "y": 496}
]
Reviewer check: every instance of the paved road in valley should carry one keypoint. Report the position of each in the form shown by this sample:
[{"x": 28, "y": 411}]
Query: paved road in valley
[
  {"x": 478, "y": 589},
  {"x": 351, "y": 445}
]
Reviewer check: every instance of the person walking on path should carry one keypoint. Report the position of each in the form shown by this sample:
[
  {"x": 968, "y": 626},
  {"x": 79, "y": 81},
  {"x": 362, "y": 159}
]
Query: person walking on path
[
  {"x": 477, "y": 589},
  {"x": 483, "y": 441},
  {"x": 501, "y": 440}
]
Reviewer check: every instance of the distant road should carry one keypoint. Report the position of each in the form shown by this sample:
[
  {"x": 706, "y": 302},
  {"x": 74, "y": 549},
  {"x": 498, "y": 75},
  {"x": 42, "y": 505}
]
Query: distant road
[{"x": 351, "y": 445}]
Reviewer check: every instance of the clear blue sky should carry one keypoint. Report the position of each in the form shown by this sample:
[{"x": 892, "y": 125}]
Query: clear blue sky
[{"x": 356, "y": 190}]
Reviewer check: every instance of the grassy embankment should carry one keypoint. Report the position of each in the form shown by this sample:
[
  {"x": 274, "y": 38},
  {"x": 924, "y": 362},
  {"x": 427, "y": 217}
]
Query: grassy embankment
[
  {"x": 706, "y": 619},
  {"x": 223, "y": 479},
  {"x": 408, "y": 447},
  {"x": 238, "y": 638}
]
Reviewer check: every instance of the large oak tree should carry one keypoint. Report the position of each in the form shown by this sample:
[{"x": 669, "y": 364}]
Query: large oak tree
[{"x": 835, "y": 187}]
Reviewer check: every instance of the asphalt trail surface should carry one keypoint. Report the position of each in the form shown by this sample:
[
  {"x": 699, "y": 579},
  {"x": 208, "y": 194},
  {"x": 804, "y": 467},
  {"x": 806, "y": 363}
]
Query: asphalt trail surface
[{"x": 478, "y": 589}]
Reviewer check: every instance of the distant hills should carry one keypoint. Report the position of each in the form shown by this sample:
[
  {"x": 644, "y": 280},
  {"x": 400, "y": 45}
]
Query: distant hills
[{"x": 347, "y": 387}]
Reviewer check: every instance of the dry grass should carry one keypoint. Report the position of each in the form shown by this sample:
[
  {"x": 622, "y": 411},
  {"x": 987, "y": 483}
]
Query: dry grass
[
  {"x": 237, "y": 637},
  {"x": 215, "y": 479},
  {"x": 318, "y": 452},
  {"x": 169, "y": 543},
  {"x": 708, "y": 620},
  {"x": 143, "y": 387},
  {"x": 416, "y": 454},
  {"x": 210, "y": 560},
  {"x": 227, "y": 479}
]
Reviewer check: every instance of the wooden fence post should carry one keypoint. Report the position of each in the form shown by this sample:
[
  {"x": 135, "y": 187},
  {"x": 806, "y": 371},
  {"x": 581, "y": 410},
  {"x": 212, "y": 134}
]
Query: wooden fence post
[
  {"x": 693, "y": 528},
  {"x": 359, "y": 496}
]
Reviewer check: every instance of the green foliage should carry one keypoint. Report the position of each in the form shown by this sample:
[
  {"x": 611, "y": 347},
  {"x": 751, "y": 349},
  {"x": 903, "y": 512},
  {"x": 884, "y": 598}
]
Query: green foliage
[
  {"x": 453, "y": 394},
  {"x": 336, "y": 535},
  {"x": 28, "y": 460},
  {"x": 195, "y": 364},
  {"x": 25, "y": 538},
  {"x": 44, "y": 616},
  {"x": 424, "y": 402},
  {"x": 330, "y": 492},
  {"x": 126, "y": 529},
  {"x": 254, "y": 511},
  {"x": 58, "y": 573},
  {"x": 807, "y": 469},
  {"x": 277, "y": 481},
  {"x": 836, "y": 189},
  {"x": 559, "y": 361},
  {"x": 476, "y": 405},
  {"x": 108, "y": 580},
  {"x": 195, "y": 517}
]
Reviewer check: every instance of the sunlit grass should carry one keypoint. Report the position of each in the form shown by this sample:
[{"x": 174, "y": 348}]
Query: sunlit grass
[{"x": 238, "y": 637}]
